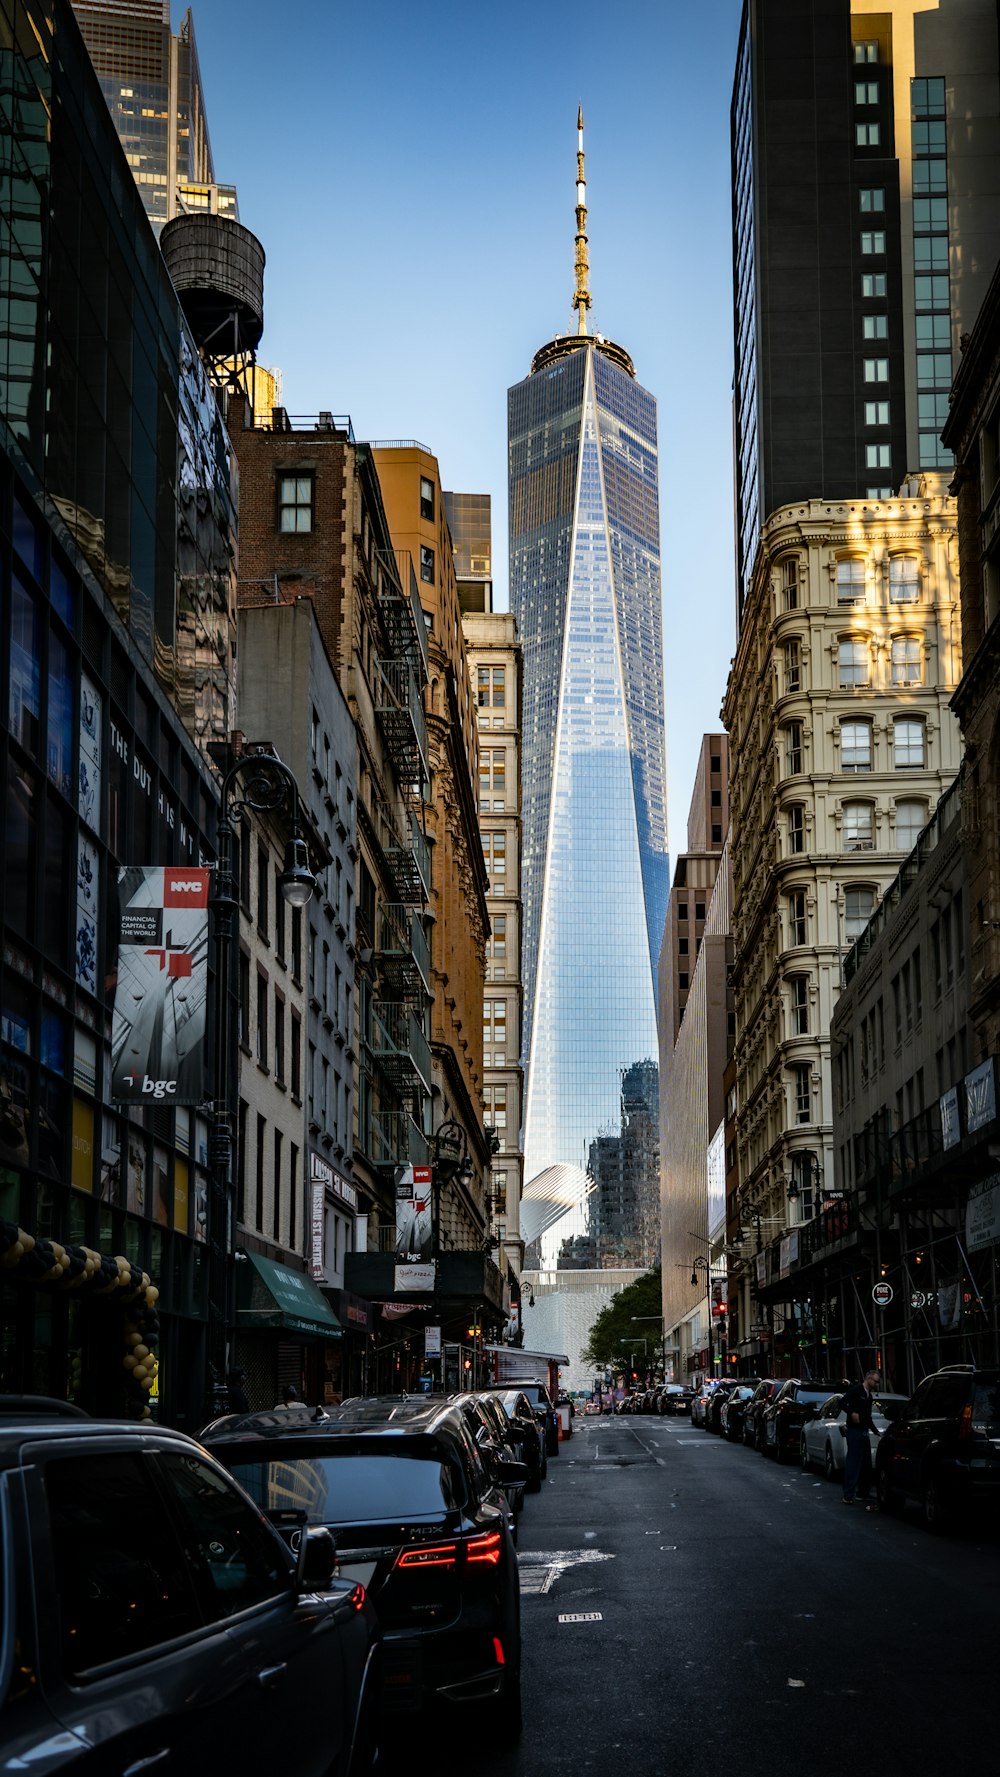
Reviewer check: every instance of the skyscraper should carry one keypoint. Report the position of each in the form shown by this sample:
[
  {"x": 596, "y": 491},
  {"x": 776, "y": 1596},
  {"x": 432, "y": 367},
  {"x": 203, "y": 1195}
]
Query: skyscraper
[
  {"x": 585, "y": 590},
  {"x": 866, "y": 226},
  {"x": 152, "y": 82}
]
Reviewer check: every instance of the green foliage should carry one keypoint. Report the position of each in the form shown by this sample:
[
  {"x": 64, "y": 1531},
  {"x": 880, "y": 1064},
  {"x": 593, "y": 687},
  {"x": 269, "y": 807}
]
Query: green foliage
[{"x": 614, "y": 1340}]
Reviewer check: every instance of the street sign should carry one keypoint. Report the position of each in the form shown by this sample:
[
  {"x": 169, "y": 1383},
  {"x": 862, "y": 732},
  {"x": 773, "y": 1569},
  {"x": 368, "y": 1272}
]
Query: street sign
[{"x": 882, "y": 1295}]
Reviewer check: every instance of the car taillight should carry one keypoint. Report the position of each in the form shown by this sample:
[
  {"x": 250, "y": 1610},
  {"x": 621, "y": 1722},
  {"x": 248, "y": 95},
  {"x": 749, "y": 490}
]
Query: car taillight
[
  {"x": 484, "y": 1550},
  {"x": 965, "y": 1422},
  {"x": 498, "y": 1650},
  {"x": 435, "y": 1555},
  {"x": 357, "y": 1598}
]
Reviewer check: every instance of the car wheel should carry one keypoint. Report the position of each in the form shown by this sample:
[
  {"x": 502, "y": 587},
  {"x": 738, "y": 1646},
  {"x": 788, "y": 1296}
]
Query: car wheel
[
  {"x": 829, "y": 1466},
  {"x": 932, "y": 1510},
  {"x": 804, "y": 1456}
]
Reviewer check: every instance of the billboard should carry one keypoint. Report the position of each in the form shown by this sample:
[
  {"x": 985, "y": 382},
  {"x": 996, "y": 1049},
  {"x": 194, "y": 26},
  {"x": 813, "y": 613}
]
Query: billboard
[
  {"x": 158, "y": 1030},
  {"x": 414, "y": 1224}
]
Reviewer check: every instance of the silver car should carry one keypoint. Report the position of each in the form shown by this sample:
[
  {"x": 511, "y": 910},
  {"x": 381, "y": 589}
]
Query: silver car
[{"x": 823, "y": 1442}]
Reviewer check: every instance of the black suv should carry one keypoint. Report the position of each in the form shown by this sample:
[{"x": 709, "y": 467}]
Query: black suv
[
  {"x": 943, "y": 1448},
  {"x": 417, "y": 1520},
  {"x": 540, "y": 1402},
  {"x": 785, "y": 1414},
  {"x": 528, "y": 1434},
  {"x": 152, "y": 1618}
]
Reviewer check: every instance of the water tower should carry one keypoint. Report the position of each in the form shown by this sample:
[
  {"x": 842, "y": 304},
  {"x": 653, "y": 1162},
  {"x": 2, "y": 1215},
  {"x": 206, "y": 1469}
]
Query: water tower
[{"x": 217, "y": 268}]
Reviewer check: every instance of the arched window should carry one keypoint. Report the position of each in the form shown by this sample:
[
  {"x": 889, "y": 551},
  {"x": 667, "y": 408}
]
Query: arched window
[
  {"x": 906, "y": 660},
  {"x": 855, "y": 746},
  {"x": 851, "y": 581},
  {"x": 911, "y": 819},
  {"x": 859, "y": 826},
  {"x": 909, "y": 743},
  {"x": 854, "y": 662},
  {"x": 904, "y": 579}
]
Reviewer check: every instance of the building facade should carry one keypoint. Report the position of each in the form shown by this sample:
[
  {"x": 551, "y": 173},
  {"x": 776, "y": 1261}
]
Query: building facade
[
  {"x": 623, "y": 1210},
  {"x": 585, "y": 593},
  {"x": 865, "y": 174},
  {"x": 842, "y": 742},
  {"x": 494, "y": 656},
  {"x": 118, "y": 563}
]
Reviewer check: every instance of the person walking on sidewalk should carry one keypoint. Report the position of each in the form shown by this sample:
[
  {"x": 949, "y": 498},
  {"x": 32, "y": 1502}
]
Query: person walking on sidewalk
[{"x": 857, "y": 1405}]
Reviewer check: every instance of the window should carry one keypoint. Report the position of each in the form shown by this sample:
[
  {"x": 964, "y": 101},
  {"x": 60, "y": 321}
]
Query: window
[
  {"x": 263, "y": 875},
  {"x": 878, "y": 456},
  {"x": 904, "y": 579},
  {"x": 699, "y": 910},
  {"x": 872, "y": 199},
  {"x": 853, "y": 662},
  {"x": 124, "y": 1583},
  {"x": 859, "y": 905},
  {"x": 244, "y": 1012},
  {"x": 855, "y": 746},
  {"x": 426, "y": 564},
  {"x": 492, "y": 780},
  {"x": 932, "y": 410},
  {"x": 878, "y": 492},
  {"x": 866, "y": 52},
  {"x": 908, "y": 743},
  {"x": 868, "y": 135},
  {"x": 295, "y": 502},
  {"x": 906, "y": 660},
  {"x": 297, "y": 943},
  {"x": 683, "y": 981},
  {"x": 876, "y": 413},
  {"x": 934, "y": 333},
  {"x": 296, "y": 1069},
  {"x": 927, "y": 96},
  {"x": 276, "y": 1181},
  {"x": 797, "y": 925},
  {"x": 793, "y": 673},
  {"x": 426, "y": 498},
  {"x": 930, "y": 292},
  {"x": 796, "y": 827},
  {"x": 495, "y": 1099},
  {"x": 866, "y": 92},
  {"x": 800, "y": 1005},
  {"x": 232, "y": 1558},
  {"x": 495, "y": 854},
  {"x": 851, "y": 582},
  {"x": 261, "y": 1170},
  {"x": 859, "y": 826},
  {"x": 793, "y": 748},
  {"x": 875, "y": 326},
  {"x": 911, "y": 818},
  {"x": 876, "y": 370},
  {"x": 790, "y": 583},
  {"x": 279, "y": 1038},
  {"x": 682, "y": 947},
  {"x": 933, "y": 368},
  {"x": 682, "y": 911},
  {"x": 873, "y": 284},
  {"x": 802, "y": 1087},
  {"x": 262, "y": 1019}
]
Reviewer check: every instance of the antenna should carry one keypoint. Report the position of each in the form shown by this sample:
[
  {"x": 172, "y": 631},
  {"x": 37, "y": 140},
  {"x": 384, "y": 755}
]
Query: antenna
[{"x": 581, "y": 295}]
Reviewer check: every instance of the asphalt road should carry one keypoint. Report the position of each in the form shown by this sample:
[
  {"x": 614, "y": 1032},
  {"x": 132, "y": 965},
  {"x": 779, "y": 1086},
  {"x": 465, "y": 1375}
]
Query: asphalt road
[{"x": 746, "y": 1620}]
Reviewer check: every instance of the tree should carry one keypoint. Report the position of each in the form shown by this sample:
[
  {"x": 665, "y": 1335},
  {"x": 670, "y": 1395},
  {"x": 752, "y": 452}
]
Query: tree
[{"x": 614, "y": 1340}]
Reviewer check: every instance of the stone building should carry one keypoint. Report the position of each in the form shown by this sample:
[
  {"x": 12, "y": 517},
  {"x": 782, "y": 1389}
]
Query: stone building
[{"x": 842, "y": 741}]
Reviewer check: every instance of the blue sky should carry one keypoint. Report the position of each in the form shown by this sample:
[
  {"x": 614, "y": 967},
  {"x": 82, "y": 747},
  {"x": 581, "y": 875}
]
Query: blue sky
[{"x": 411, "y": 173}]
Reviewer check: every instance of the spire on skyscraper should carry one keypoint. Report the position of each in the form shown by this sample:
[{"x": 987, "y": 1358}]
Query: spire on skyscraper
[{"x": 581, "y": 295}]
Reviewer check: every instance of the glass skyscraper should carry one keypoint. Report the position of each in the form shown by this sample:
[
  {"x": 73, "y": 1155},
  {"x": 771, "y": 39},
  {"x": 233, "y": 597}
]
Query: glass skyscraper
[{"x": 585, "y": 590}]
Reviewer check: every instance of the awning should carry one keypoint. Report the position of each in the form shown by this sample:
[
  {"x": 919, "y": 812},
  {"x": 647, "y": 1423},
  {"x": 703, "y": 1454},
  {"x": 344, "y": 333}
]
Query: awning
[{"x": 270, "y": 1296}]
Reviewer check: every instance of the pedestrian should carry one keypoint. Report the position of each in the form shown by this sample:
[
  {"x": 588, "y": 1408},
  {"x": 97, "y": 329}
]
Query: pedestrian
[
  {"x": 238, "y": 1402},
  {"x": 857, "y": 1406},
  {"x": 290, "y": 1397}
]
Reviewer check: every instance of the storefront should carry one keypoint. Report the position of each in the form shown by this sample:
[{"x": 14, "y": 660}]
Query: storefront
[{"x": 285, "y": 1328}]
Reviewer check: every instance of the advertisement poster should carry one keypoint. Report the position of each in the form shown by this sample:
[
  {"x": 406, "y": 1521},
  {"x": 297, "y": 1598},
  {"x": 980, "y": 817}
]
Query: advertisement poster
[
  {"x": 982, "y": 1214},
  {"x": 158, "y": 1032},
  {"x": 414, "y": 1225}
]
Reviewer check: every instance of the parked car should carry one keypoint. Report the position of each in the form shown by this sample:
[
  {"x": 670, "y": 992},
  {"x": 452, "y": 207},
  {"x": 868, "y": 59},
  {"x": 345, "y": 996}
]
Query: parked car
[
  {"x": 528, "y": 1433},
  {"x": 943, "y": 1450},
  {"x": 716, "y": 1402},
  {"x": 668, "y": 1396},
  {"x": 753, "y": 1430},
  {"x": 155, "y": 1616},
  {"x": 681, "y": 1403},
  {"x": 540, "y": 1401},
  {"x": 822, "y": 1443},
  {"x": 701, "y": 1400},
  {"x": 786, "y": 1413},
  {"x": 495, "y": 1446},
  {"x": 733, "y": 1409},
  {"x": 418, "y": 1521}
]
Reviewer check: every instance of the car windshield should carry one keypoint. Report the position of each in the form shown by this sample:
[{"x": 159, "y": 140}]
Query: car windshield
[
  {"x": 352, "y": 1485},
  {"x": 812, "y": 1394}
]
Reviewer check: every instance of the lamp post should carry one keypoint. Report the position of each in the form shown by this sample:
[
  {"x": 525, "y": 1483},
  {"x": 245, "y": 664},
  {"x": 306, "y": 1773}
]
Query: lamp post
[
  {"x": 706, "y": 1266},
  {"x": 268, "y": 788},
  {"x": 663, "y": 1337}
]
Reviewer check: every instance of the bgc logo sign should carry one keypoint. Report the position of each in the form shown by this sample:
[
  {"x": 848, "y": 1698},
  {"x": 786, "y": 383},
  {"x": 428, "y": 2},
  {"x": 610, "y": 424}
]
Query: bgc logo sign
[{"x": 151, "y": 1088}]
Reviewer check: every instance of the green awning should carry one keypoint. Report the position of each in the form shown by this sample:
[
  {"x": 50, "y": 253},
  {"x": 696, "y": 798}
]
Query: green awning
[{"x": 270, "y": 1295}]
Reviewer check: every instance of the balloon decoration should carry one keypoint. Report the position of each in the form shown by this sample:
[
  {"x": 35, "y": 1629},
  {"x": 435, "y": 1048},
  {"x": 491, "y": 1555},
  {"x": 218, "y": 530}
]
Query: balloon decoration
[{"x": 90, "y": 1273}]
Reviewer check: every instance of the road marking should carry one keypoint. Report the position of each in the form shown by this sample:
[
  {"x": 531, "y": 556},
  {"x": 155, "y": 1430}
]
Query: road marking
[
  {"x": 584, "y": 1616},
  {"x": 697, "y": 1444}
]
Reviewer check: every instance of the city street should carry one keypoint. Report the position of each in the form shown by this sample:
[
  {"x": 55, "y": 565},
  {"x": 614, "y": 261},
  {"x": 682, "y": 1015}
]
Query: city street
[{"x": 745, "y": 1615}]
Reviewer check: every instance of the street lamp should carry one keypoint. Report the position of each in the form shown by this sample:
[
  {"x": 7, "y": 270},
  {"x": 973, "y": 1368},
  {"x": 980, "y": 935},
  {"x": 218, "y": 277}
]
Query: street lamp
[
  {"x": 663, "y": 1337},
  {"x": 706, "y": 1266},
  {"x": 268, "y": 787}
]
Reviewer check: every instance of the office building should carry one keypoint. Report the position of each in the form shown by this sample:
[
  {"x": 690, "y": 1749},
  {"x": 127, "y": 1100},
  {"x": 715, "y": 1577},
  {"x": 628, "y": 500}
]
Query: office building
[
  {"x": 585, "y": 593},
  {"x": 866, "y": 226},
  {"x": 151, "y": 79},
  {"x": 471, "y": 525}
]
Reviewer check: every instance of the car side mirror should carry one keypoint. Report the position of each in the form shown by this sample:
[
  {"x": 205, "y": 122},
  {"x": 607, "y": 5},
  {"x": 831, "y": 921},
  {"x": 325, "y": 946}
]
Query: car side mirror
[
  {"x": 512, "y": 1473},
  {"x": 317, "y": 1559}
]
